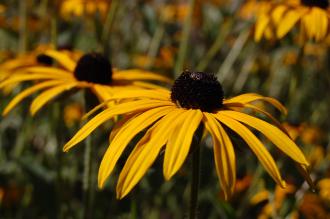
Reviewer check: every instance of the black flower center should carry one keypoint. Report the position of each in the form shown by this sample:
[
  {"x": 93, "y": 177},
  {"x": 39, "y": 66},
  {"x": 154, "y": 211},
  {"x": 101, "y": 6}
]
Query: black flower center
[
  {"x": 94, "y": 68},
  {"x": 197, "y": 90},
  {"x": 316, "y": 3},
  {"x": 44, "y": 59}
]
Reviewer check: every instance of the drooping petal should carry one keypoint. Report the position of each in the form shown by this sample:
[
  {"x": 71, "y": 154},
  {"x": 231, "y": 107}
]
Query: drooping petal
[
  {"x": 288, "y": 21},
  {"x": 18, "y": 78},
  {"x": 129, "y": 107},
  {"x": 179, "y": 142},
  {"x": 233, "y": 106},
  {"x": 47, "y": 95},
  {"x": 277, "y": 13},
  {"x": 128, "y": 94},
  {"x": 124, "y": 135},
  {"x": 48, "y": 70},
  {"x": 251, "y": 97},
  {"x": 145, "y": 153},
  {"x": 261, "y": 26},
  {"x": 27, "y": 92},
  {"x": 281, "y": 140},
  {"x": 256, "y": 146},
  {"x": 224, "y": 155},
  {"x": 62, "y": 58}
]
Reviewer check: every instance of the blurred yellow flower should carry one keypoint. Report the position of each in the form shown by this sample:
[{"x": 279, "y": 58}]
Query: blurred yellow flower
[
  {"x": 91, "y": 71},
  {"x": 312, "y": 16},
  {"x": 70, "y": 8},
  {"x": 29, "y": 59},
  {"x": 73, "y": 113},
  {"x": 324, "y": 187},
  {"x": 171, "y": 120},
  {"x": 274, "y": 201}
]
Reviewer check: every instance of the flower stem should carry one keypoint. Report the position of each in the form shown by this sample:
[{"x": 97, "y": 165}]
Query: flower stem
[
  {"x": 23, "y": 34},
  {"x": 87, "y": 188},
  {"x": 194, "y": 184},
  {"x": 193, "y": 208},
  {"x": 184, "y": 40},
  {"x": 90, "y": 102},
  {"x": 216, "y": 46},
  {"x": 108, "y": 25}
]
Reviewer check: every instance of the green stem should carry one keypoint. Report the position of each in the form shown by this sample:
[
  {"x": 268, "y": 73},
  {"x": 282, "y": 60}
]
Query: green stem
[
  {"x": 233, "y": 54},
  {"x": 87, "y": 179},
  {"x": 154, "y": 44},
  {"x": 108, "y": 24},
  {"x": 195, "y": 175},
  {"x": 54, "y": 23},
  {"x": 90, "y": 102},
  {"x": 23, "y": 34},
  {"x": 216, "y": 46},
  {"x": 194, "y": 184},
  {"x": 184, "y": 40}
]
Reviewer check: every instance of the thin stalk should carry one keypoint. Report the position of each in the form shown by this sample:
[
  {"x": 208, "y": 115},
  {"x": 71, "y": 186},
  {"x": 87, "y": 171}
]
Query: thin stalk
[
  {"x": 194, "y": 184},
  {"x": 54, "y": 23},
  {"x": 216, "y": 46},
  {"x": 87, "y": 179},
  {"x": 58, "y": 126},
  {"x": 108, "y": 23},
  {"x": 184, "y": 40},
  {"x": 232, "y": 55},
  {"x": 195, "y": 174},
  {"x": 23, "y": 34},
  {"x": 154, "y": 44},
  {"x": 88, "y": 191}
]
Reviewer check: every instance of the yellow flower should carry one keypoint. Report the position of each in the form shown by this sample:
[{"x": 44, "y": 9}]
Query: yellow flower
[
  {"x": 92, "y": 71},
  {"x": 72, "y": 113},
  {"x": 274, "y": 204},
  {"x": 281, "y": 16},
  {"x": 172, "y": 117},
  {"x": 82, "y": 7},
  {"x": 29, "y": 59},
  {"x": 324, "y": 186}
]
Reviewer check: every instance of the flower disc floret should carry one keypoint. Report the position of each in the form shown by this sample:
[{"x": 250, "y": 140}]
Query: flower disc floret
[
  {"x": 316, "y": 3},
  {"x": 94, "y": 68},
  {"x": 197, "y": 90}
]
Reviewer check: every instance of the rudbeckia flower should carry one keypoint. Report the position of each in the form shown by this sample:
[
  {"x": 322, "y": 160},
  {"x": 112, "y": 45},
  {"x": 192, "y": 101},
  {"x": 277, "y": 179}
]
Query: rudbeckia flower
[
  {"x": 171, "y": 119},
  {"x": 28, "y": 59},
  {"x": 312, "y": 16},
  {"x": 82, "y": 7},
  {"x": 92, "y": 71}
]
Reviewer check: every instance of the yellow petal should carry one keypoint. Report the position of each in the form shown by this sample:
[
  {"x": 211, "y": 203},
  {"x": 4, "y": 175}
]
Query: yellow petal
[
  {"x": 256, "y": 146},
  {"x": 224, "y": 155},
  {"x": 62, "y": 58},
  {"x": 48, "y": 70},
  {"x": 27, "y": 92},
  {"x": 127, "y": 94},
  {"x": 47, "y": 95},
  {"x": 136, "y": 74},
  {"x": 251, "y": 97},
  {"x": 129, "y": 107},
  {"x": 145, "y": 153},
  {"x": 280, "y": 139},
  {"x": 233, "y": 106},
  {"x": 146, "y": 85},
  {"x": 18, "y": 78},
  {"x": 179, "y": 142},
  {"x": 277, "y": 13},
  {"x": 124, "y": 135},
  {"x": 288, "y": 21},
  {"x": 261, "y": 25}
]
